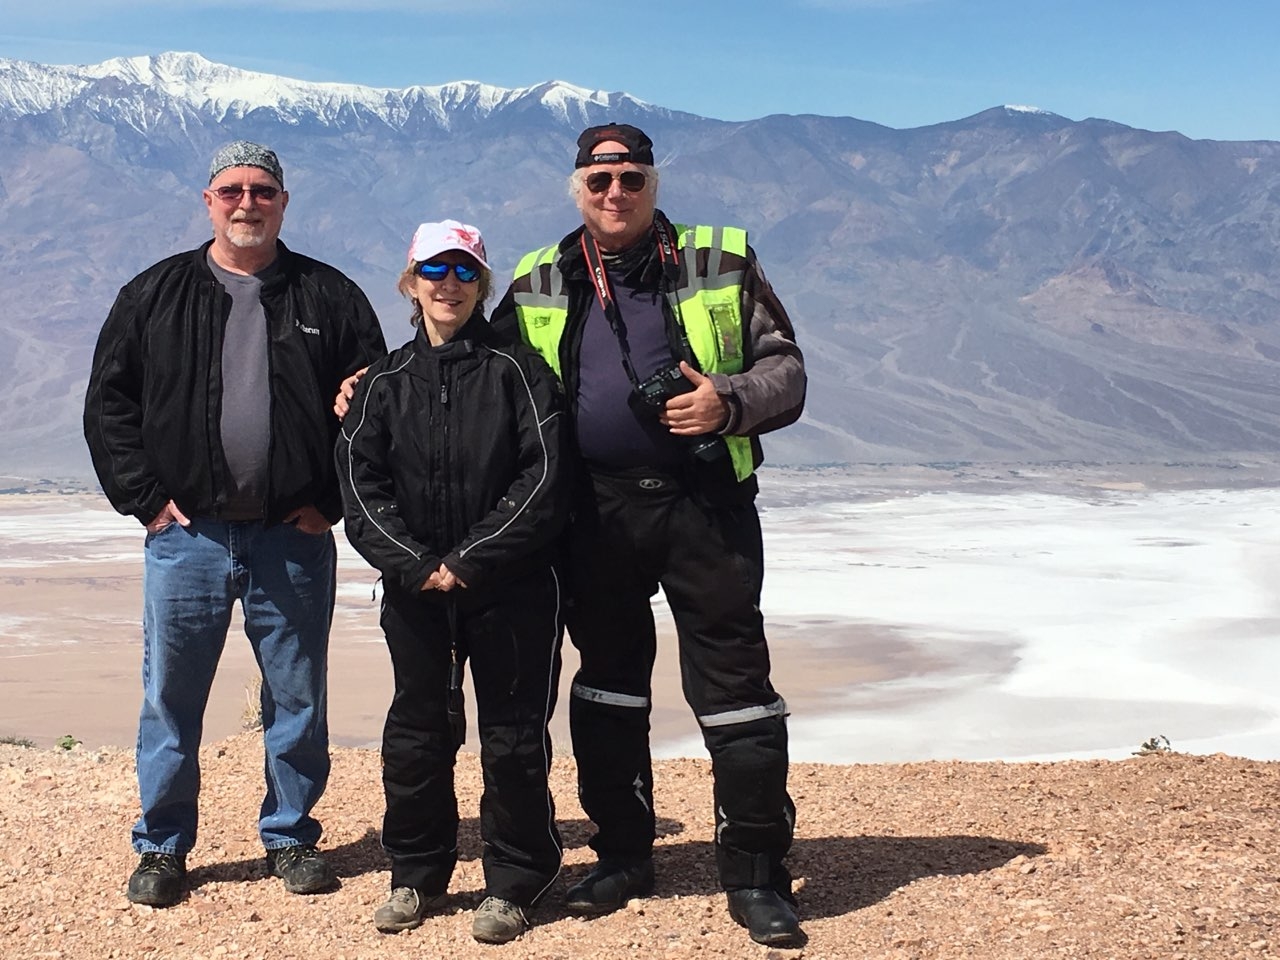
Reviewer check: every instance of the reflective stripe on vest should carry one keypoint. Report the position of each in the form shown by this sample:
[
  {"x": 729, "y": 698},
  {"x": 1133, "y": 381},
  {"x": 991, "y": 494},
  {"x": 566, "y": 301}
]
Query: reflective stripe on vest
[
  {"x": 543, "y": 312},
  {"x": 710, "y": 309}
]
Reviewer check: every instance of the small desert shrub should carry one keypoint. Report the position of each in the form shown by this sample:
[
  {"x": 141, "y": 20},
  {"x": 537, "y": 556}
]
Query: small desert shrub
[
  {"x": 17, "y": 741},
  {"x": 66, "y": 742},
  {"x": 1157, "y": 744}
]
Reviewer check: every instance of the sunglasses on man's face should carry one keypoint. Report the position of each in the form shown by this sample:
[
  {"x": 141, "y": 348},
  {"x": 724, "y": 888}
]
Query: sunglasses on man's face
[
  {"x": 632, "y": 181},
  {"x": 437, "y": 271},
  {"x": 257, "y": 191}
]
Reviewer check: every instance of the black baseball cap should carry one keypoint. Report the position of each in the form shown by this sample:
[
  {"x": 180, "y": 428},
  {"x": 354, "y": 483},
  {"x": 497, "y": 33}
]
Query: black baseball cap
[{"x": 639, "y": 146}]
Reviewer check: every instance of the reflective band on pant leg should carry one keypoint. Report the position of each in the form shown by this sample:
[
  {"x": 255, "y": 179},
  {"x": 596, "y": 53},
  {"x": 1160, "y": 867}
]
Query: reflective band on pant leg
[
  {"x": 583, "y": 692},
  {"x": 745, "y": 715}
]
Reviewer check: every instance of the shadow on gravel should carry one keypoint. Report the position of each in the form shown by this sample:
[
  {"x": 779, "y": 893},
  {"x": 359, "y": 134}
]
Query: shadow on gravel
[
  {"x": 232, "y": 871},
  {"x": 358, "y": 857},
  {"x": 841, "y": 874},
  {"x": 366, "y": 855},
  {"x": 576, "y": 833},
  {"x": 347, "y": 860}
]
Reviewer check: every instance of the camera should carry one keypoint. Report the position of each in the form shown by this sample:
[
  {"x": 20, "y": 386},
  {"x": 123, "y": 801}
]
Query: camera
[{"x": 667, "y": 382}]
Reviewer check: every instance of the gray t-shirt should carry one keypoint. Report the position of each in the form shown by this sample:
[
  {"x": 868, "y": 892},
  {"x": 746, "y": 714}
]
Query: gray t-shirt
[{"x": 246, "y": 394}]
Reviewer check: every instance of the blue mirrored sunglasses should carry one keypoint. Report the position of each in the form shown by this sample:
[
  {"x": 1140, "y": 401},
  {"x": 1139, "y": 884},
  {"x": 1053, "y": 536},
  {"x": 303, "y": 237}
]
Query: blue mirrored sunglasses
[{"x": 437, "y": 271}]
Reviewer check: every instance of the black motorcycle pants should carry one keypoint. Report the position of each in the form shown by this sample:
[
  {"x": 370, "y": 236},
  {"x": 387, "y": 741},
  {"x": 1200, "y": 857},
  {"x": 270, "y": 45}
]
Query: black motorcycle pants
[
  {"x": 632, "y": 533},
  {"x": 513, "y": 648}
]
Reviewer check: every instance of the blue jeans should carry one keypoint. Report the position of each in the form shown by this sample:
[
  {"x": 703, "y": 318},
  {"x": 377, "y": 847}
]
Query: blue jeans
[{"x": 284, "y": 581}]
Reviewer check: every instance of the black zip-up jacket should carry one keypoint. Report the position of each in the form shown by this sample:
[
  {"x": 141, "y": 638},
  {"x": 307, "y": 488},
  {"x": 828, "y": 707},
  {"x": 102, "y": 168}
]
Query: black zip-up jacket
[
  {"x": 154, "y": 402},
  {"x": 451, "y": 454}
]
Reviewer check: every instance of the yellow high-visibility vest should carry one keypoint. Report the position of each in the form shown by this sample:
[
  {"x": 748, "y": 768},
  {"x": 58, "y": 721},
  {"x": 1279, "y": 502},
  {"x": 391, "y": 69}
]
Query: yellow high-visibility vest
[{"x": 710, "y": 308}]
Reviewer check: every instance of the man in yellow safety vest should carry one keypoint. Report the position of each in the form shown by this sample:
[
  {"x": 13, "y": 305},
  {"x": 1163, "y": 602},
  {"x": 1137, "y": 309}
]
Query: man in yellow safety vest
[{"x": 675, "y": 355}]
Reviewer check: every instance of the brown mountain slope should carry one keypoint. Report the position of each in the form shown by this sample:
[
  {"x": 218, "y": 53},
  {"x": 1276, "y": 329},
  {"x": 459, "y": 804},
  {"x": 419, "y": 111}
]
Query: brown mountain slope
[{"x": 1162, "y": 856}]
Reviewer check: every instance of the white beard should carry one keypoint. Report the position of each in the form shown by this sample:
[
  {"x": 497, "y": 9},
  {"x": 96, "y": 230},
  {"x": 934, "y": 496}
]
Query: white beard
[{"x": 246, "y": 235}]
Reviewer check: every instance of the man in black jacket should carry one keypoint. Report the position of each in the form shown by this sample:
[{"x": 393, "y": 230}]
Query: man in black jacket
[
  {"x": 675, "y": 356},
  {"x": 207, "y": 417}
]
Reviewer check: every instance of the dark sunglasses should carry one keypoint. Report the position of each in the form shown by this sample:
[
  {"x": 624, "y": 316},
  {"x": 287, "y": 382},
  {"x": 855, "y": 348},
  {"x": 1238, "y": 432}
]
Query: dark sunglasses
[
  {"x": 632, "y": 181},
  {"x": 257, "y": 191},
  {"x": 437, "y": 271}
]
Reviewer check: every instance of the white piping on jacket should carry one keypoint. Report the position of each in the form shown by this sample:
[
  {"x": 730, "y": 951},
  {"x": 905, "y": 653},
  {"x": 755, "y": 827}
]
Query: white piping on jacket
[
  {"x": 541, "y": 442},
  {"x": 350, "y": 471}
]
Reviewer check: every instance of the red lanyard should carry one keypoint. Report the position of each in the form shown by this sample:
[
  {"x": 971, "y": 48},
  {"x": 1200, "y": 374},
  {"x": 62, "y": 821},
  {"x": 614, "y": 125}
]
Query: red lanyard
[{"x": 604, "y": 292}]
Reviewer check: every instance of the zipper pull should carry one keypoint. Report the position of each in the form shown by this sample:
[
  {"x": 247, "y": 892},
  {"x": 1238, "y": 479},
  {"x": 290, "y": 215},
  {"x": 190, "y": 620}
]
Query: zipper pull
[{"x": 444, "y": 393}]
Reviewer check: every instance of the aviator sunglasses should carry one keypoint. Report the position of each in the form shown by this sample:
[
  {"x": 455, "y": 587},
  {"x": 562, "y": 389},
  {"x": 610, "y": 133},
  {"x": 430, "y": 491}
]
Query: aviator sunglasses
[
  {"x": 437, "y": 271},
  {"x": 632, "y": 181},
  {"x": 258, "y": 191}
]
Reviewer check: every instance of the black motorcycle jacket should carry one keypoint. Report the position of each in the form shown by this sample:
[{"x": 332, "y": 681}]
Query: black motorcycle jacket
[
  {"x": 452, "y": 454},
  {"x": 154, "y": 399}
]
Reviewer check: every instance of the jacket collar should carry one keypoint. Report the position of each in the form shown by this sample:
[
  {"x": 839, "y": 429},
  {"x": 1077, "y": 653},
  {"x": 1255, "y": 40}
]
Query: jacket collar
[
  {"x": 474, "y": 333},
  {"x": 647, "y": 266},
  {"x": 285, "y": 265}
]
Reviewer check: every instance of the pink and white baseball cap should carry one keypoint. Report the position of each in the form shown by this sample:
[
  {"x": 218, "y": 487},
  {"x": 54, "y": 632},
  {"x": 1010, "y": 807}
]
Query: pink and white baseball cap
[{"x": 432, "y": 239}]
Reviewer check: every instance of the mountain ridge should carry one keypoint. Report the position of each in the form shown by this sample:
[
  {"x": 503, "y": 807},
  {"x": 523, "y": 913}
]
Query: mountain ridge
[
  {"x": 231, "y": 93},
  {"x": 1013, "y": 285}
]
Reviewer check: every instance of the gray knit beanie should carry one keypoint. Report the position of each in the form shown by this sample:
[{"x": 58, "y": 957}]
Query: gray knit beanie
[{"x": 245, "y": 153}]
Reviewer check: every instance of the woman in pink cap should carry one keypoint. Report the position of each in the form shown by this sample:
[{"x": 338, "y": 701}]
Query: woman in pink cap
[{"x": 449, "y": 460}]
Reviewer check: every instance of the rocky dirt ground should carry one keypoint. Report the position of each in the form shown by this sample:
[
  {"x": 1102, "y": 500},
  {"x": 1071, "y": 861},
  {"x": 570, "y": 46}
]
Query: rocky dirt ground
[{"x": 1164, "y": 856}]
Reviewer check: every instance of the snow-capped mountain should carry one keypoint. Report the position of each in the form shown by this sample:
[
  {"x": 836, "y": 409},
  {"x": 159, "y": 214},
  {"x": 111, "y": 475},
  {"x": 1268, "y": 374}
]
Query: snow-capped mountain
[
  {"x": 221, "y": 93},
  {"x": 1014, "y": 285}
]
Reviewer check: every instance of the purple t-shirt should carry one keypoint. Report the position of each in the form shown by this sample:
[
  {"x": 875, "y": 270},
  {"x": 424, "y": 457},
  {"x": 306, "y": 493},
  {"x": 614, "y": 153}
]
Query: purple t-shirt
[{"x": 611, "y": 432}]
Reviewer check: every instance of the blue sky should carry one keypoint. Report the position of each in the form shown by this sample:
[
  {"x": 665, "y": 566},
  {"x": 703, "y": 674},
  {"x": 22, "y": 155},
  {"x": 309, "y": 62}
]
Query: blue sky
[{"x": 1207, "y": 69}]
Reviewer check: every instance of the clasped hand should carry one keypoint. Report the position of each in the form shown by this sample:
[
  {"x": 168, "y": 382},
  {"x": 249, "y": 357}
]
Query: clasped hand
[{"x": 443, "y": 580}]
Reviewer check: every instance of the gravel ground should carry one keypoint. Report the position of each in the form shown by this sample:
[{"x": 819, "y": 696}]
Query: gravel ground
[{"x": 1164, "y": 856}]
